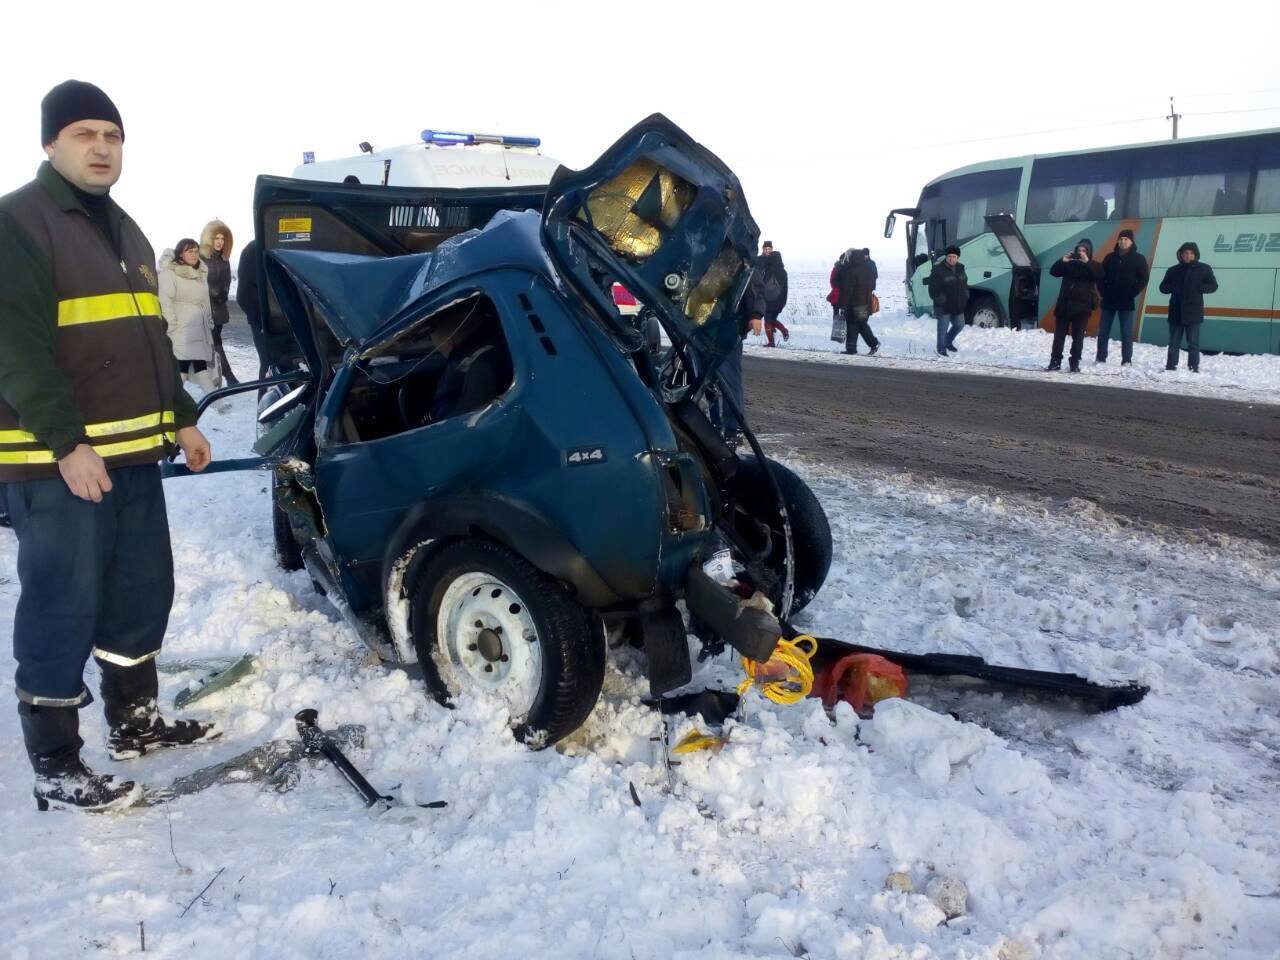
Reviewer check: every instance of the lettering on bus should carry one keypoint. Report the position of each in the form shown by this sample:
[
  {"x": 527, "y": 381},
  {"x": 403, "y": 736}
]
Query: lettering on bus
[{"x": 1248, "y": 243}]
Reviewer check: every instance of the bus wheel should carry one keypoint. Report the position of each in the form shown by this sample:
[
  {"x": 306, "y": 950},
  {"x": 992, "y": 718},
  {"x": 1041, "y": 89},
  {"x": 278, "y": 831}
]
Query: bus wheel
[{"x": 985, "y": 312}]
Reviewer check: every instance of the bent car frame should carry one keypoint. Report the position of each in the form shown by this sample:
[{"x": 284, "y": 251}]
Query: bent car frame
[{"x": 477, "y": 457}]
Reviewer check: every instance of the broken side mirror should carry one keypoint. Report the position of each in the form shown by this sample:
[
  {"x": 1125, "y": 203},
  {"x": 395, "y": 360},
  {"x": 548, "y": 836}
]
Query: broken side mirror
[{"x": 890, "y": 222}]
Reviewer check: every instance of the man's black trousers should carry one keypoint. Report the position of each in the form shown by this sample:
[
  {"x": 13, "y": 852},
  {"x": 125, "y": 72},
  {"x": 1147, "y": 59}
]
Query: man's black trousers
[{"x": 96, "y": 580}]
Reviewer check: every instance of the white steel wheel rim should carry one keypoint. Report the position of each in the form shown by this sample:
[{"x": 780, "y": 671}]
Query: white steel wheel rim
[
  {"x": 490, "y": 642},
  {"x": 986, "y": 317}
]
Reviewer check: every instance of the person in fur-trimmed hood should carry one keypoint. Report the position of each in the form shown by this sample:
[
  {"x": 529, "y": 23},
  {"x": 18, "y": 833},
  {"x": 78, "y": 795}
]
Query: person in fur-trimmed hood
[
  {"x": 215, "y": 250},
  {"x": 184, "y": 301},
  {"x": 1186, "y": 282}
]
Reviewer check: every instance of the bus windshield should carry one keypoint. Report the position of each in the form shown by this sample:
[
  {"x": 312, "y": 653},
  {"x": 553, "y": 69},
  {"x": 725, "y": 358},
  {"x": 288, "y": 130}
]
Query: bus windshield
[{"x": 954, "y": 210}]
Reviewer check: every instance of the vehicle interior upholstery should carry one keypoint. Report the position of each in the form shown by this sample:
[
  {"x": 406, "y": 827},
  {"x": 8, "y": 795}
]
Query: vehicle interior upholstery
[{"x": 459, "y": 350}]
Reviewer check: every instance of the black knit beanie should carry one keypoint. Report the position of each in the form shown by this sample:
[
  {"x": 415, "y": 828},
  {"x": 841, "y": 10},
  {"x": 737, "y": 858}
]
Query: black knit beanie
[
  {"x": 74, "y": 100},
  {"x": 1125, "y": 233},
  {"x": 951, "y": 249}
]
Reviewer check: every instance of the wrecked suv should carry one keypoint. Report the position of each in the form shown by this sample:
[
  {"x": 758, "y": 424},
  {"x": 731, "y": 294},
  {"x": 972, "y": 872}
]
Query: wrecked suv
[{"x": 479, "y": 459}]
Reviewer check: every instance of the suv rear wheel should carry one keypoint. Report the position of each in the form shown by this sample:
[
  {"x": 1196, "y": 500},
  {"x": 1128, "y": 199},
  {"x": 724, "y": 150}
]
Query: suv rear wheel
[
  {"x": 487, "y": 623},
  {"x": 810, "y": 531}
]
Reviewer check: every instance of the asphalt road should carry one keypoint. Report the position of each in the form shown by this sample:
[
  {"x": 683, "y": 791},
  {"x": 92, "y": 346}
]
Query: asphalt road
[{"x": 1155, "y": 458}]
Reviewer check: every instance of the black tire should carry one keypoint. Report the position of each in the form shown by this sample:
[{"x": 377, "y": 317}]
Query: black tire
[
  {"x": 810, "y": 531},
  {"x": 288, "y": 552},
  {"x": 985, "y": 305},
  {"x": 569, "y": 636}
]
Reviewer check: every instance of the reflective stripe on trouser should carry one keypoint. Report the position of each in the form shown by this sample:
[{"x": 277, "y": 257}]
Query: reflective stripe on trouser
[{"x": 96, "y": 579}]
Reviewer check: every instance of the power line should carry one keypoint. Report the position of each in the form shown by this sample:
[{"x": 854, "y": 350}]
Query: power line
[
  {"x": 1219, "y": 113},
  {"x": 1227, "y": 93},
  {"x": 1032, "y": 133}
]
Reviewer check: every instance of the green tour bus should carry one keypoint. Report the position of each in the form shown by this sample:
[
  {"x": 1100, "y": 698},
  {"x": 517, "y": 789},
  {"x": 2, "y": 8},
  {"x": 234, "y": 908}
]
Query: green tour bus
[{"x": 1012, "y": 218}]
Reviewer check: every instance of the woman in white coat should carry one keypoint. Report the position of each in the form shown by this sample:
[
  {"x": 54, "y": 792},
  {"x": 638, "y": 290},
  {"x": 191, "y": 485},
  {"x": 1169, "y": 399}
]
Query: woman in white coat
[{"x": 184, "y": 300}]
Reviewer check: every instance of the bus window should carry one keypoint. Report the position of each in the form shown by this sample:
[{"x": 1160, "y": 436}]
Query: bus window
[
  {"x": 1192, "y": 180},
  {"x": 1266, "y": 190},
  {"x": 954, "y": 210},
  {"x": 1084, "y": 187}
]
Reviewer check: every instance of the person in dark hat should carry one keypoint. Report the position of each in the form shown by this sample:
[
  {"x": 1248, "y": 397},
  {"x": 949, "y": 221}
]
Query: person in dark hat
[
  {"x": 949, "y": 291},
  {"x": 90, "y": 400},
  {"x": 1077, "y": 296},
  {"x": 773, "y": 278},
  {"x": 1124, "y": 276}
]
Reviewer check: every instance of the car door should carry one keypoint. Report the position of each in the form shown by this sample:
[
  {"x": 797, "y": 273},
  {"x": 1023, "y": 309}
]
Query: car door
[{"x": 663, "y": 216}]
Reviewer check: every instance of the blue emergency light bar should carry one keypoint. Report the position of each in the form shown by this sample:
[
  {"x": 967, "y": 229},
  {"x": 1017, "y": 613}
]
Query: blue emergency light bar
[{"x": 443, "y": 138}]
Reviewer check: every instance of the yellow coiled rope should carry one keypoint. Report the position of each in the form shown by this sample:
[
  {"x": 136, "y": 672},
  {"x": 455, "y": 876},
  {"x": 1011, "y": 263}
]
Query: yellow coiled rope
[{"x": 787, "y": 676}]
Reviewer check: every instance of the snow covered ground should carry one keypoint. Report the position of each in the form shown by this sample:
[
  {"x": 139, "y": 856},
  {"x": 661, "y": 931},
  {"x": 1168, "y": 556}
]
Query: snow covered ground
[
  {"x": 1146, "y": 833},
  {"x": 910, "y": 341}
]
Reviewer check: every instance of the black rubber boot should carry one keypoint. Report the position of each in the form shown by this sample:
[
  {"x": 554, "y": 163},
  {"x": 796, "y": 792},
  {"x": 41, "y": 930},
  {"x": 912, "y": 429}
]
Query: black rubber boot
[
  {"x": 129, "y": 698},
  {"x": 52, "y": 736},
  {"x": 73, "y": 786},
  {"x": 132, "y": 739}
]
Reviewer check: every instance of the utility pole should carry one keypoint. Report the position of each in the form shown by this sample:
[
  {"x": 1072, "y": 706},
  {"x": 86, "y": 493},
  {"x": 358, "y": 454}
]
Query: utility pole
[{"x": 1175, "y": 117}]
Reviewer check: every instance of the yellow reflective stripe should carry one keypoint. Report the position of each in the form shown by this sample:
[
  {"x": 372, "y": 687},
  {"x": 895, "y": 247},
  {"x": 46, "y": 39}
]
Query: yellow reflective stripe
[
  {"x": 104, "y": 429},
  {"x": 103, "y": 449},
  {"x": 107, "y": 306},
  {"x": 165, "y": 417}
]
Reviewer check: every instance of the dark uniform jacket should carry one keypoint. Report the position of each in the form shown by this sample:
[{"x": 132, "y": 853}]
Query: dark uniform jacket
[
  {"x": 1186, "y": 284},
  {"x": 1124, "y": 276},
  {"x": 949, "y": 287},
  {"x": 83, "y": 350}
]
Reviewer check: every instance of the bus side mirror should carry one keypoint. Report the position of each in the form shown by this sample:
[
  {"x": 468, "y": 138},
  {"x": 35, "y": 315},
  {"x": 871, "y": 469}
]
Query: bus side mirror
[{"x": 889, "y": 223}]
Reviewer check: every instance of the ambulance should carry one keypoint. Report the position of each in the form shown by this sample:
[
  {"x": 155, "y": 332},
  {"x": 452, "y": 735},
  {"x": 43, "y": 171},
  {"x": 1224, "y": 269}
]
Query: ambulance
[{"x": 449, "y": 160}]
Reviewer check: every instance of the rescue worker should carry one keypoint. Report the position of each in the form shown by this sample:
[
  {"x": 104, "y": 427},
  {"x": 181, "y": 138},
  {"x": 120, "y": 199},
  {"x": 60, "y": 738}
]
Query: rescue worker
[
  {"x": 90, "y": 399},
  {"x": 1186, "y": 282}
]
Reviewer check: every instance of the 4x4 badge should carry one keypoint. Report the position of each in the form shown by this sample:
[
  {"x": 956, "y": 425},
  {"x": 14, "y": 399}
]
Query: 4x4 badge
[{"x": 583, "y": 456}]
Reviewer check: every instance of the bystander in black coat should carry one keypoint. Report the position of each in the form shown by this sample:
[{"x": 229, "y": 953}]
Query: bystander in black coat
[
  {"x": 949, "y": 287},
  {"x": 1124, "y": 277},
  {"x": 1186, "y": 284}
]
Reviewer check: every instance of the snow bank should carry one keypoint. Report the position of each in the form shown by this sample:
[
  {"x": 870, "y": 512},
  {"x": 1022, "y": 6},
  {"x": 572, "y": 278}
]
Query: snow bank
[
  {"x": 910, "y": 342},
  {"x": 1149, "y": 832}
]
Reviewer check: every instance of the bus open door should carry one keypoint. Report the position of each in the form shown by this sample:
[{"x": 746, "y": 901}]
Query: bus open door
[
  {"x": 1024, "y": 285},
  {"x": 913, "y": 229}
]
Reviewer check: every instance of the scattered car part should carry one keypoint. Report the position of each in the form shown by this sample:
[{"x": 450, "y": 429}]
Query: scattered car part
[
  {"x": 1099, "y": 696},
  {"x": 315, "y": 742},
  {"x": 219, "y": 679}
]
